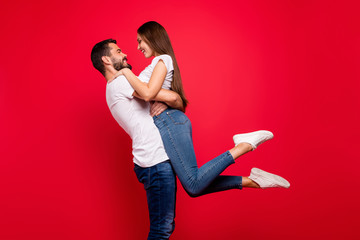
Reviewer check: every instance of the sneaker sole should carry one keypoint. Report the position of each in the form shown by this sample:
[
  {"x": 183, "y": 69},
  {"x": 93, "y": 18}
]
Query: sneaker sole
[{"x": 258, "y": 173}]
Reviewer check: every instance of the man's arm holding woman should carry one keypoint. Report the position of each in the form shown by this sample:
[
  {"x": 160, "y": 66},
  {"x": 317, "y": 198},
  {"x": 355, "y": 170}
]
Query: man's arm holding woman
[
  {"x": 152, "y": 91},
  {"x": 170, "y": 98}
]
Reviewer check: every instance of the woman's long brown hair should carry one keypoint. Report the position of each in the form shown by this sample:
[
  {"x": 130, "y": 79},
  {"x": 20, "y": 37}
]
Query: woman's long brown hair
[{"x": 158, "y": 40}]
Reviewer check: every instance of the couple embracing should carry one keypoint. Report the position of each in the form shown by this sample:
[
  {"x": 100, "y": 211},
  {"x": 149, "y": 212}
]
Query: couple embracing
[{"x": 150, "y": 108}]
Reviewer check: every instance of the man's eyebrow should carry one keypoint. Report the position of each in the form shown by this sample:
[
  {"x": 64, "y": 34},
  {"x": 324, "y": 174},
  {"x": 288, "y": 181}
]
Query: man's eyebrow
[{"x": 119, "y": 50}]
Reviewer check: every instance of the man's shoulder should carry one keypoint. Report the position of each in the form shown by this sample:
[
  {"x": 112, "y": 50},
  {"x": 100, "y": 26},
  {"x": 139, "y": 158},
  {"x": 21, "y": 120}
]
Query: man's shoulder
[
  {"x": 119, "y": 86},
  {"x": 120, "y": 80}
]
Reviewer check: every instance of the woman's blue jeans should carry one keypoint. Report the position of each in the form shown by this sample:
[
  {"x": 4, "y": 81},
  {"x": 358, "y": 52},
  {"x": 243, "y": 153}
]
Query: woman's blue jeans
[
  {"x": 160, "y": 185},
  {"x": 176, "y": 133}
]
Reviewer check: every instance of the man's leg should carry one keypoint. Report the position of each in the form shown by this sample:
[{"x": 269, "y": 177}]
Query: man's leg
[{"x": 160, "y": 185}]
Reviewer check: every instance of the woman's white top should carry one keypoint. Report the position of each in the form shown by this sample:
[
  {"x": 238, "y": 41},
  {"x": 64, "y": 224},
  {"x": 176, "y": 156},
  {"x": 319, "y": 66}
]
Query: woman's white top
[{"x": 146, "y": 73}]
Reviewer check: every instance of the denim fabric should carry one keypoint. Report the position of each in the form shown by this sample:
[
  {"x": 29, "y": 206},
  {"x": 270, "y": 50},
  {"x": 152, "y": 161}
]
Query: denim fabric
[
  {"x": 176, "y": 133},
  {"x": 160, "y": 185}
]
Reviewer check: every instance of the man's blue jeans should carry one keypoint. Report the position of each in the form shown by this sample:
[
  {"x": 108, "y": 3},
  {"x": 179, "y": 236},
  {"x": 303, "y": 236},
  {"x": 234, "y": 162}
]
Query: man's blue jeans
[
  {"x": 176, "y": 133},
  {"x": 160, "y": 185}
]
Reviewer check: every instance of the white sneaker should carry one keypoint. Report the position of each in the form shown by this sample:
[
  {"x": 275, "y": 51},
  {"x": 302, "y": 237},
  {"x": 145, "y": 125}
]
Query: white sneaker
[
  {"x": 268, "y": 180},
  {"x": 253, "y": 138}
]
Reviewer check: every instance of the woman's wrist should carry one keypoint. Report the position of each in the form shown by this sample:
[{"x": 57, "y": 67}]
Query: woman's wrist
[{"x": 125, "y": 71}]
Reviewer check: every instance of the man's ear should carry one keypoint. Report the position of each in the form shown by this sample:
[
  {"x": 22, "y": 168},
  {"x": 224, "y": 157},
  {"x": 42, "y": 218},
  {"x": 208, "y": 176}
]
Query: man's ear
[{"x": 106, "y": 60}]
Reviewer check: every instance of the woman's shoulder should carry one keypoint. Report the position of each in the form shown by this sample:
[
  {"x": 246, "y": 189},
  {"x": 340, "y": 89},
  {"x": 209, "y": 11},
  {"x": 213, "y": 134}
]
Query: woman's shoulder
[{"x": 166, "y": 59}]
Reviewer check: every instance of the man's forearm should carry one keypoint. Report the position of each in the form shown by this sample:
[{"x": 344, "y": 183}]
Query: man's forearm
[{"x": 171, "y": 98}]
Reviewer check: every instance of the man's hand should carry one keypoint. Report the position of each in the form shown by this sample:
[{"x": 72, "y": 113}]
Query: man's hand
[{"x": 157, "y": 108}]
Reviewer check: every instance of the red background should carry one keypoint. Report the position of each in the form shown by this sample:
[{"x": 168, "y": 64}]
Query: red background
[{"x": 288, "y": 66}]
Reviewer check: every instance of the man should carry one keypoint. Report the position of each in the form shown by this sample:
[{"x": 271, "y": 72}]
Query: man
[{"x": 152, "y": 165}]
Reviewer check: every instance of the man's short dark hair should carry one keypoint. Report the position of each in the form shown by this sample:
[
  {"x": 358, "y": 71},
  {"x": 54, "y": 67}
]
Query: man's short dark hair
[{"x": 99, "y": 50}]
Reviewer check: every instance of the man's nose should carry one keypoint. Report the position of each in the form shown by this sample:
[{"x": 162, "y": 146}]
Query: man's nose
[{"x": 124, "y": 55}]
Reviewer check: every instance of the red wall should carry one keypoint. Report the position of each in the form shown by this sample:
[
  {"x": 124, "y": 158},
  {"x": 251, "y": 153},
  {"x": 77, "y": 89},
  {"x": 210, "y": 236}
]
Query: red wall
[{"x": 288, "y": 66}]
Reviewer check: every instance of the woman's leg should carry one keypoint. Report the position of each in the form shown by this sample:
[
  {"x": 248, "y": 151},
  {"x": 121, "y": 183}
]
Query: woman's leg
[
  {"x": 176, "y": 132},
  {"x": 224, "y": 182}
]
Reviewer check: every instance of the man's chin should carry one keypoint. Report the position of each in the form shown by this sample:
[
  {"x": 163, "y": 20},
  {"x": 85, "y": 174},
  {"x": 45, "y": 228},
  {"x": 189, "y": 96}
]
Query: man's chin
[
  {"x": 119, "y": 66},
  {"x": 127, "y": 66}
]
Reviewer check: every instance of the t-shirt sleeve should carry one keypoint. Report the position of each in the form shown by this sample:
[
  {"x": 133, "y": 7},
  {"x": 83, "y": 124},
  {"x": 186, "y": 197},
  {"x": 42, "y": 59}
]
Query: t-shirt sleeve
[
  {"x": 123, "y": 87},
  {"x": 167, "y": 61}
]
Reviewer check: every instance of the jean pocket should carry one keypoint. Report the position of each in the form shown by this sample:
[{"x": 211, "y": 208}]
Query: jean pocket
[{"x": 177, "y": 117}]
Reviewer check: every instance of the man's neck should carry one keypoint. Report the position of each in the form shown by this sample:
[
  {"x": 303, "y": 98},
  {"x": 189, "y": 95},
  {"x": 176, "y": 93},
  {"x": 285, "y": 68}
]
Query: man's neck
[{"x": 109, "y": 74}]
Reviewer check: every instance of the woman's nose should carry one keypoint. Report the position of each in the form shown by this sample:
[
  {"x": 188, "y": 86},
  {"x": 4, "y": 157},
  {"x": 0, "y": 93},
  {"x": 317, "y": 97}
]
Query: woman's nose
[{"x": 138, "y": 47}]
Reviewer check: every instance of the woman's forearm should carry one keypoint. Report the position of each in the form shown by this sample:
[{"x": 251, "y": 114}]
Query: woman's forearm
[
  {"x": 140, "y": 87},
  {"x": 147, "y": 91}
]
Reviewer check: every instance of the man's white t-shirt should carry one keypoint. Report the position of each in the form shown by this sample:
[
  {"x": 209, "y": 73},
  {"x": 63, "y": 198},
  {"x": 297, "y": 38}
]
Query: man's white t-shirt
[{"x": 133, "y": 115}]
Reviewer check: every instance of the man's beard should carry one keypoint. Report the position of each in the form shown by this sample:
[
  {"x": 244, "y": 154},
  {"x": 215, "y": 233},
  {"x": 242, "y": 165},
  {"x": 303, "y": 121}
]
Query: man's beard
[{"x": 120, "y": 65}]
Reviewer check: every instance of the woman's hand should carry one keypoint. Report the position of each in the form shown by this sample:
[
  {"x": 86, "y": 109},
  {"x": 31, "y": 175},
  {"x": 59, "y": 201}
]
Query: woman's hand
[{"x": 118, "y": 73}]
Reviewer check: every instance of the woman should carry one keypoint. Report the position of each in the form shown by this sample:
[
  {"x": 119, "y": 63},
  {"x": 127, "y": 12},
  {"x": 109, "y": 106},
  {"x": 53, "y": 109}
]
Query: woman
[{"x": 175, "y": 127}]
